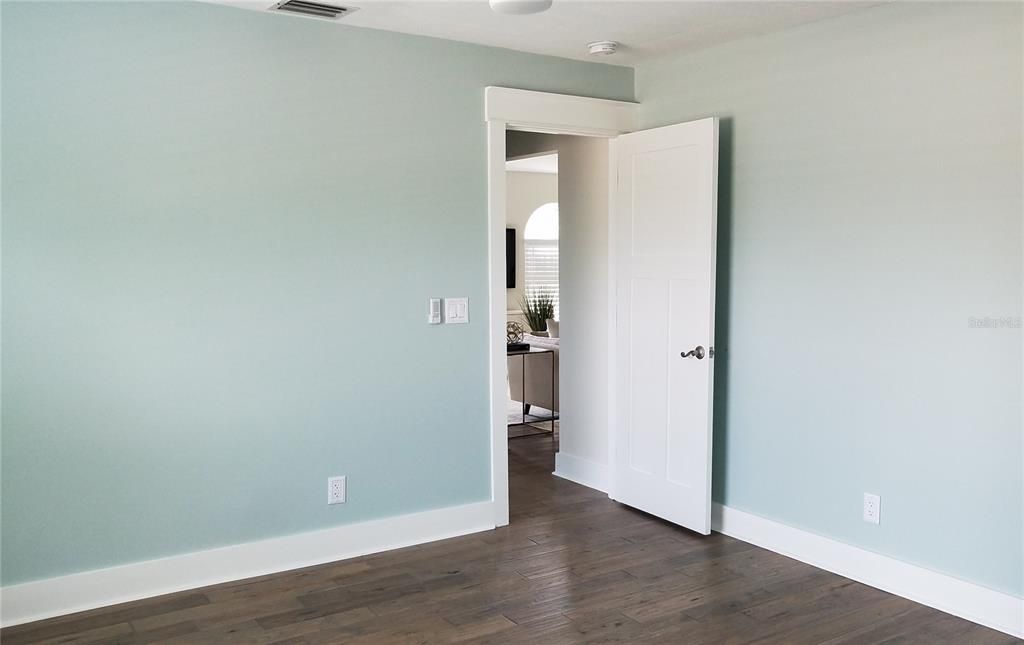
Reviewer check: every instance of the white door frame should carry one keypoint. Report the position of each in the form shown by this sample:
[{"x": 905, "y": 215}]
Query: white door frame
[{"x": 512, "y": 109}]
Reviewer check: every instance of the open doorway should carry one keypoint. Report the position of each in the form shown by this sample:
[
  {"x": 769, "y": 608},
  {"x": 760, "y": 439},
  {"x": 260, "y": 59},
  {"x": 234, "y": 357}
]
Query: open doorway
[
  {"x": 532, "y": 323},
  {"x": 583, "y": 132},
  {"x": 532, "y": 295},
  {"x": 557, "y": 213}
]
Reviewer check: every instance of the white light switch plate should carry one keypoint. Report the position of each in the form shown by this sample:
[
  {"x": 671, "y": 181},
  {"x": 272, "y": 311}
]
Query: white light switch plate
[{"x": 456, "y": 311}]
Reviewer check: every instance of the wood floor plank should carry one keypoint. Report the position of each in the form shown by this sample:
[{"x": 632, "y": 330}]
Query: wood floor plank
[
  {"x": 97, "y": 618},
  {"x": 572, "y": 567}
]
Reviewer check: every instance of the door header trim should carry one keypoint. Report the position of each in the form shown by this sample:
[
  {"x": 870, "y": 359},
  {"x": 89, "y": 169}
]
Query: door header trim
[{"x": 559, "y": 113}]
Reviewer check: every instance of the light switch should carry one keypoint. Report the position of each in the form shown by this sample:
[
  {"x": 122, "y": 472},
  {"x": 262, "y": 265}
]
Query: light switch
[
  {"x": 456, "y": 310},
  {"x": 434, "y": 311}
]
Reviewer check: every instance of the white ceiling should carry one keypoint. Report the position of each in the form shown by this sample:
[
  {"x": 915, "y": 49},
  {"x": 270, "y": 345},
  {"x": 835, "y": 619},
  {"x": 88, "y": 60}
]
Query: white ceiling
[
  {"x": 539, "y": 163},
  {"x": 645, "y": 29}
]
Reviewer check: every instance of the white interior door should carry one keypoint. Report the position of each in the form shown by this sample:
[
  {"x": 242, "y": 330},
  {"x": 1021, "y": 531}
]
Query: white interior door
[{"x": 664, "y": 267}]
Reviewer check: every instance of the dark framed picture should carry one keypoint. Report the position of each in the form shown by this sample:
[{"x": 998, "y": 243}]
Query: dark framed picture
[{"x": 510, "y": 258}]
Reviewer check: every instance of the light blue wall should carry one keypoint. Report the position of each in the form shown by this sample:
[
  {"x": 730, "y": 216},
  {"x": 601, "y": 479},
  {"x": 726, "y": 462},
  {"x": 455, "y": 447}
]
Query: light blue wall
[
  {"x": 220, "y": 231},
  {"x": 870, "y": 206}
]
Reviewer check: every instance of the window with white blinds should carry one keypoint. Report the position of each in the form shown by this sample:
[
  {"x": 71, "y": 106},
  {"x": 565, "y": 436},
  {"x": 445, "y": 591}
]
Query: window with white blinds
[{"x": 540, "y": 241}]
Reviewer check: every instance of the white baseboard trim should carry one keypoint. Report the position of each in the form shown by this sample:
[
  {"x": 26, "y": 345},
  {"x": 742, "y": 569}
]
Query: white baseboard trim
[
  {"x": 82, "y": 591},
  {"x": 582, "y": 471},
  {"x": 975, "y": 603},
  {"x": 41, "y": 599}
]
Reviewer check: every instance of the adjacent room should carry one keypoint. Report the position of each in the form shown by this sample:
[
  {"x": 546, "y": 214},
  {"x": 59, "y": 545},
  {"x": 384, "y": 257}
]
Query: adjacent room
[
  {"x": 532, "y": 327},
  {"x": 512, "y": 321}
]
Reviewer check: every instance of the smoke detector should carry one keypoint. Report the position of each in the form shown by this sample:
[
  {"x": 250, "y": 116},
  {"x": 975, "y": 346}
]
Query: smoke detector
[
  {"x": 520, "y": 7},
  {"x": 602, "y": 47}
]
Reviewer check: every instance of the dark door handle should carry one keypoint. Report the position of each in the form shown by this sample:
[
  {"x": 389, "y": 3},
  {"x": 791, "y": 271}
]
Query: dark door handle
[{"x": 697, "y": 351}]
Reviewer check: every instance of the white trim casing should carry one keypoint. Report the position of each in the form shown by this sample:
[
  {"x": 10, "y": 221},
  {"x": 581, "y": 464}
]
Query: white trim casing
[
  {"x": 41, "y": 599},
  {"x": 613, "y": 191},
  {"x": 582, "y": 471},
  {"x": 497, "y": 303},
  {"x": 973, "y": 602},
  {"x": 559, "y": 113}
]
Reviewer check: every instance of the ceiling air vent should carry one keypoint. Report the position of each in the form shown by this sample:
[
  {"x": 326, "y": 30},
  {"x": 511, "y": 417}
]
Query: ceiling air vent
[{"x": 314, "y": 9}]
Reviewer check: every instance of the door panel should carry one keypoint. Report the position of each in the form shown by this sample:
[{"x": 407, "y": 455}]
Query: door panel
[
  {"x": 664, "y": 281},
  {"x": 649, "y": 405},
  {"x": 660, "y": 178}
]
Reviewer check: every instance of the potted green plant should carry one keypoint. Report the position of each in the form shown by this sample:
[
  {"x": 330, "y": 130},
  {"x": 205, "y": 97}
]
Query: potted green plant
[{"x": 537, "y": 308}]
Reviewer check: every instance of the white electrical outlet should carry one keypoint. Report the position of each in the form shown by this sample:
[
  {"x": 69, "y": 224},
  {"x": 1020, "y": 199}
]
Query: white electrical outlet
[
  {"x": 337, "y": 490},
  {"x": 872, "y": 508}
]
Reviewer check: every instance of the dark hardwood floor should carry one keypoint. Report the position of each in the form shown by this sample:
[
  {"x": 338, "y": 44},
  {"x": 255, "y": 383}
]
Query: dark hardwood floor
[{"x": 573, "y": 567}]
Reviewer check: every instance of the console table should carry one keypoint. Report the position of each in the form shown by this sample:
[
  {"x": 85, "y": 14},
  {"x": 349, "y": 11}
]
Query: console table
[{"x": 533, "y": 351}]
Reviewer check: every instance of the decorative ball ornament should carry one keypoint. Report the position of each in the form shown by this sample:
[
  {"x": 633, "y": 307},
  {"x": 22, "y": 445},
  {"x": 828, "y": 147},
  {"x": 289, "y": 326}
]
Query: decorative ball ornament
[
  {"x": 513, "y": 333},
  {"x": 520, "y": 7}
]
